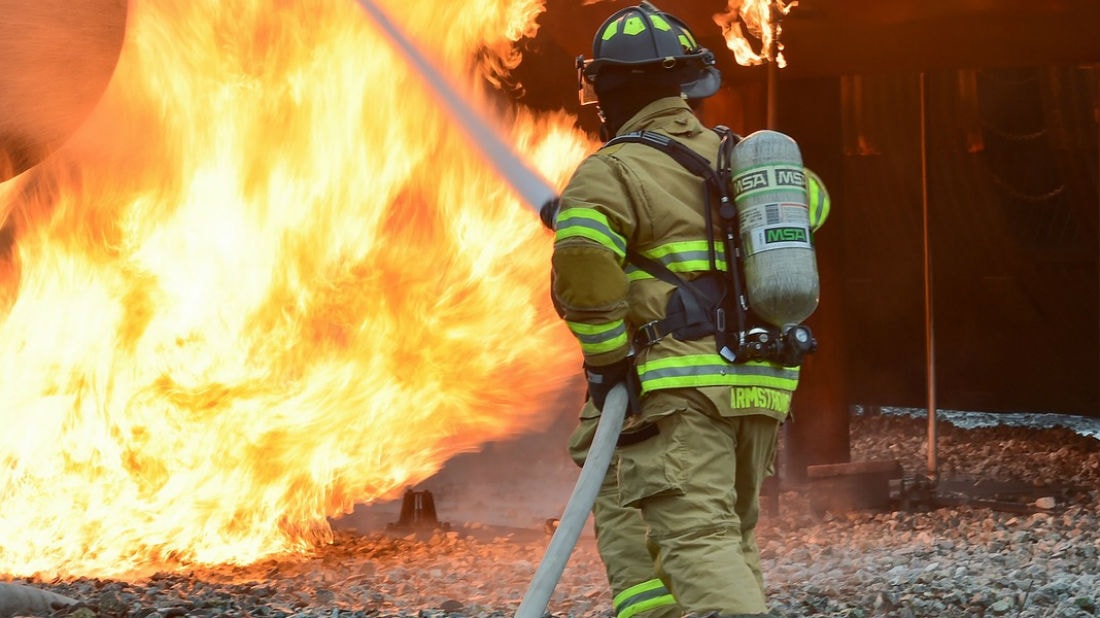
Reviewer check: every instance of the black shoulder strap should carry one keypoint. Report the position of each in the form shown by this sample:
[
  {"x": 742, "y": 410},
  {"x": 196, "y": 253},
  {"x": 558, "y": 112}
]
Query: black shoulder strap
[
  {"x": 654, "y": 268},
  {"x": 717, "y": 183},
  {"x": 694, "y": 162}
]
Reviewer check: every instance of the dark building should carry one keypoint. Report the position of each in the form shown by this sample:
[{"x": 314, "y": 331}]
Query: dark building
[{"x": 959, "y": 142}]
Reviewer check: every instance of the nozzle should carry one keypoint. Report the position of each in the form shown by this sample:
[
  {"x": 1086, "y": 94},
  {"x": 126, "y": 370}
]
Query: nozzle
[{"x": 548, "y": 213}]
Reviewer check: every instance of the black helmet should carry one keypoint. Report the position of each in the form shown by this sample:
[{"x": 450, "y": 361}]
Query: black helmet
[{"x": 643, "y": 41}]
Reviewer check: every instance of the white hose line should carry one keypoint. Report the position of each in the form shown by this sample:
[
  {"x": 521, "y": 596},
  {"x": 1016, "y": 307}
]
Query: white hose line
[
  {"x": 526, "y": 182},
  {"x": 579, "y": 506}
]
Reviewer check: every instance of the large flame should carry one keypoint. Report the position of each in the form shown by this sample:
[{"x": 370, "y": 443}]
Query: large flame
[
  {"x": 762, "y": 20},
  {"x": 266, "y": 281}
]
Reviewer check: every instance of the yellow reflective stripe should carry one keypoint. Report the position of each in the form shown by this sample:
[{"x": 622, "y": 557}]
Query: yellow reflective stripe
[
  {"x": 599, "y": 338},
  {"x": 711, "y": 370},
  {"x": 590, "y": 224},
  {"x": 641, "y": 598},
  {"x": 584, "y": 328},
  {"x": 687, "y": 256},
  {"x": 681, "y": 246},
  {"x": 713, "y": 379},
  {"x": 611, "y": 30},
  {"x": 633, "y": 25},
  {"x": 648, "y": 604},
  {"x": 692, "y": 266},
  {"x": 660, "y": 23},
  {"x": 762, "y": 368},
  {"x": 646, "y": 586}
]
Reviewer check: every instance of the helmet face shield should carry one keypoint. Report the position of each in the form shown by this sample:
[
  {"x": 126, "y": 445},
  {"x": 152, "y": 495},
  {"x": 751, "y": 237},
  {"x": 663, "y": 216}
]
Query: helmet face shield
[
  {"x": 586, "y": 90},
  {"x": 710, "y": 79}
]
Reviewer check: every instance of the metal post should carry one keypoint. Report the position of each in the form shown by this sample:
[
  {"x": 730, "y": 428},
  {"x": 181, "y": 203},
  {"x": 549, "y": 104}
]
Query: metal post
[
  {"x": 1096, "y": 115},
  {"x": 929, "y": 330},
  {"x": 771, "y": 77},
  {"x": 771, "y": 55},
  {"x": 770, "y": 100}
]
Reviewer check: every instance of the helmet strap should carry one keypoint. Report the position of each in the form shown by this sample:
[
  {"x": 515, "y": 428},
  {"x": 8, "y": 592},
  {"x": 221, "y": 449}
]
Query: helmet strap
[{"x": 605, "y": 132}]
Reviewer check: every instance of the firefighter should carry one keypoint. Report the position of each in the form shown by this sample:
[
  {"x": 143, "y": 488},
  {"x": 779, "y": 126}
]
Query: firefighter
[
  {"x": 702, "y": 435},
  {"x": 637, "y": 590}
]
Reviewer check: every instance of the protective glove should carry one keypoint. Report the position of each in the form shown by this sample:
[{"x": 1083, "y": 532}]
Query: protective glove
[
  {"x": 602, "y": 379},
  {"x": 549, "y": 212}
]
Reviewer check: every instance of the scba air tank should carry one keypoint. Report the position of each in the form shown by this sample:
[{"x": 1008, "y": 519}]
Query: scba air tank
[{"x": 780, "y": 267}]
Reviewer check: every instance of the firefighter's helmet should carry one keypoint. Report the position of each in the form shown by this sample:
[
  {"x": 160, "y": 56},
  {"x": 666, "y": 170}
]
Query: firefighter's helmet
[{"x": 641, "y": 42}]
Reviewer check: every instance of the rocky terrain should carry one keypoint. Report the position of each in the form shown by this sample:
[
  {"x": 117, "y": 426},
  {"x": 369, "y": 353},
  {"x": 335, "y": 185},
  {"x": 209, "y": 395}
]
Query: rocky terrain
[{"x": 1029, "y": 547}]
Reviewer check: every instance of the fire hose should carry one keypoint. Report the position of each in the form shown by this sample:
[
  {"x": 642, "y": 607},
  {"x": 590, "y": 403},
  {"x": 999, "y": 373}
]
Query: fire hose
[
  {"x": 578, "y": 507},
  {"x": 536, "y": 192},
  {"x": 527, "y": 184}
]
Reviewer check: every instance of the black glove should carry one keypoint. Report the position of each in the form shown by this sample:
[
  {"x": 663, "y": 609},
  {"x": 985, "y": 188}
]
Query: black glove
[
  {"x": 549, "y": 212},
  {"x": 602, "y": 379}
]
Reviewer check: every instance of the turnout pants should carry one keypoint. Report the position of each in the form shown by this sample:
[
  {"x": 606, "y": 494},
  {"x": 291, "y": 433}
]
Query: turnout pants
[
  {"x": 697, "y": 484},
  {"x": 636, "y": 589}
]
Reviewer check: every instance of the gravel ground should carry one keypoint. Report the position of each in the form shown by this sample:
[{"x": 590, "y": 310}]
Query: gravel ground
[
  {"x": 962, "y": 560},
  {"x": 959, "y": 561}
]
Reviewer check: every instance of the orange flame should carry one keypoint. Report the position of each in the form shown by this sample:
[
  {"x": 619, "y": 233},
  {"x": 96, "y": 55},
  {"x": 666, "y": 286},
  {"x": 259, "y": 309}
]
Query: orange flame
[
  {"x": 265, "y": 282},
  {"x": 762, "y": 20}
]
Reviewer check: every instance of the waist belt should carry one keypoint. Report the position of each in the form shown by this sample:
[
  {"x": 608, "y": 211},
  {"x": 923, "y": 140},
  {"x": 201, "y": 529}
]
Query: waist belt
[{"x": 694, "y": 311}]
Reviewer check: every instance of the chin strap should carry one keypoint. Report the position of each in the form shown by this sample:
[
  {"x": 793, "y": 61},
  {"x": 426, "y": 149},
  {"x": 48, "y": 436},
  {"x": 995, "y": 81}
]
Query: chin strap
[{"x": 606, "y": 134}]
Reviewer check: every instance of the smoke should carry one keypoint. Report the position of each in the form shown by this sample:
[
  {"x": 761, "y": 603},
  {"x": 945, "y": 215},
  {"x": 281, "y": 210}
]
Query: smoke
[
  {"x": 514, "y": 484},
  {"x": 58, "y": 57}
]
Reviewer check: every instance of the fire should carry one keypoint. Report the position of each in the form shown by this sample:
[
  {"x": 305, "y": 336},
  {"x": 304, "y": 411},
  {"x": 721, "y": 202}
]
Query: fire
[
  {"x": 762, "y": 20},
  {"x": 266, "y": 281}
]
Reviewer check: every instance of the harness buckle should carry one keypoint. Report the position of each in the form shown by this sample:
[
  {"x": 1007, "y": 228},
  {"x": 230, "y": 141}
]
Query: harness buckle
[{"x": 648, "y": 334}]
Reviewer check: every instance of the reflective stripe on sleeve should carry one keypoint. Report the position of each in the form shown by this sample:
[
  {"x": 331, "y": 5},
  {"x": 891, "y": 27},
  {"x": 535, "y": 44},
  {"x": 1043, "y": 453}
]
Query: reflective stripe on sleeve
[
  {"x": 590, "y": 224},
  {"x": 599, "y": 338}
]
